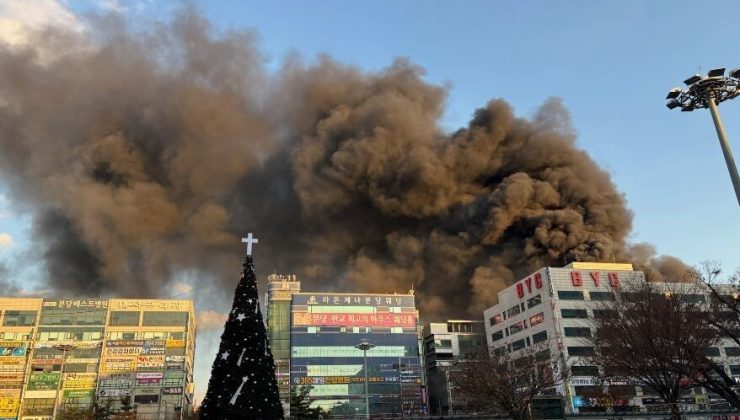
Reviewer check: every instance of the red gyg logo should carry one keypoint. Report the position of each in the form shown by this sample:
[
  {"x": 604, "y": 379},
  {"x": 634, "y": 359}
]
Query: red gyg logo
[{"x": 577, "y": 278}]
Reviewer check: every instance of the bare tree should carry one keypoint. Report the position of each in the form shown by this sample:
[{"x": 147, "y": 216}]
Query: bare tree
[
  {"x": 656, "y": 335},
  {"x": 507, "y": 382}
]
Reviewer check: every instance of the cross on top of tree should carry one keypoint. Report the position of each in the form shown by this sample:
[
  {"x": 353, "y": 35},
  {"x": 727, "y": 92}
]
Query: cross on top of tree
[{"x": 249, "y": 240}]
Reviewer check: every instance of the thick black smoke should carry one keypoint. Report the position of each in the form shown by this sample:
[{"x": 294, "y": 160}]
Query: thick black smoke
[{"x": 147, "y": 150}]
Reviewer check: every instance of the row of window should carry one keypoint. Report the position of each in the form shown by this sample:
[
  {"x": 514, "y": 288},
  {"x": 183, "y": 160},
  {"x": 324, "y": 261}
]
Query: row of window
[
  {"x": 95, "y": 317},
  {"x": 729, "y": 351},
  {"x": 519, "y": 326},
  {"x": 528, "y": 341},
  {"x": 594, "y": 370},
  {"x": 578, "y": 295},
  {"x": 515, "y": 310}
]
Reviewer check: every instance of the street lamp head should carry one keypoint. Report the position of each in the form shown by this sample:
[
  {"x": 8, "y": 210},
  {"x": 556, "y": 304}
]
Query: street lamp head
[
  {"x": 673, "y": 93},
  {"x": 718, "y": 72},
  {"x": 672, "y": 103},
  {"x": 735, "y": 73},
  {"x": 693, "y": 79},
  {"x": 364, "y": 345}
]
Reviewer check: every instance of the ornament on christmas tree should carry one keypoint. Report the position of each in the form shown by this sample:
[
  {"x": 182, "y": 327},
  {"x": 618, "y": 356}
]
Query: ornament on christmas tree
[{"x": 242, "y": 384}]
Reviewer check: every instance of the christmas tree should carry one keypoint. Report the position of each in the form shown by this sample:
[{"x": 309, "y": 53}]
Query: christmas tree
[{"x": 242, "y": 384}]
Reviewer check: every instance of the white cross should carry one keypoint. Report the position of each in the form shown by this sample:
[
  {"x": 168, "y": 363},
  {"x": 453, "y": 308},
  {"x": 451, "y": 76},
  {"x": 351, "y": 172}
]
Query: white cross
[{"x": 249, "y": 240}]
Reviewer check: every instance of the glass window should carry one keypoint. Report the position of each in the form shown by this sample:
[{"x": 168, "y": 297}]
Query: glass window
[
  {"x": 443, "y": 343},
  {"x": 581, "y": 351},
  {"x": 497, "y": 335},
  {"x": 570, "y": 295},
  {"x": 513, "y": 311},
  {"x": 732, "y": 351},
  {"x": 604, "y": 313},
  {"x": 518, "y": 345},
  {"x": 692, "y": 298},
  {"x": 73, "y": 316},
  {"x": 38, "y": 406},
  {"x": 163, "y": 318},
  {"x": 534, "y": 301},
  {"x": 574, "y": 313},
  {"x": 19, "y": 318},
  {"x": 495, "y": 319},
  {"x": 515, "y": 328},
  {"x": 602, "y": 296},
  {"x": 539, "y": 337},
  {"x": 584, "y": 370},
  {"x": 122, "y": 335},
  {"x": 124, "y": 318},
  {"x": 536, "y": 319},
  {"x": 577, "y": 331},
  {"x": 735, "y": 369},
  {"x": 712, "y": 351}
]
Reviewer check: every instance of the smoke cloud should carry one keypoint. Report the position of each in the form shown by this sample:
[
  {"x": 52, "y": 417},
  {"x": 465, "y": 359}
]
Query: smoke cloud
[{"x": 147, "y": 150}]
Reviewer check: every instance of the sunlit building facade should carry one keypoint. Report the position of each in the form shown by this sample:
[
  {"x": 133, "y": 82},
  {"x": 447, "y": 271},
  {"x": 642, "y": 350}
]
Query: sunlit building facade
[
  {"x": 280, "y": 288},
  {"x": 62, "y": 354},
  {"x": 325, "y": 329}
]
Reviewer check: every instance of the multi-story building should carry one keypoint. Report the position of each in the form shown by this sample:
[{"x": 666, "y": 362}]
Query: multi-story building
[
  {"x": 325, "y": 330},
  {"x": 280, "y": 288},
  {"x": 556, "y": 307},
  {"x": 64, "y": 353},
  {"x": 445, "y": 343}
]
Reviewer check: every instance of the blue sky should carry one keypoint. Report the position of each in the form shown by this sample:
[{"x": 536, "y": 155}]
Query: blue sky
[{"x": 611, "y": 62}]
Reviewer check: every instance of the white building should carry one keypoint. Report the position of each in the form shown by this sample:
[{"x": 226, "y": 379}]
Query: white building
[{"x": 558, "y": 305}]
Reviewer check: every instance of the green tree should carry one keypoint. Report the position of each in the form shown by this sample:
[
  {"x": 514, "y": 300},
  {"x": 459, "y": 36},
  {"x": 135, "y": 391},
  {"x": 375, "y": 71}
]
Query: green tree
[{"x": 300, "y": 404}]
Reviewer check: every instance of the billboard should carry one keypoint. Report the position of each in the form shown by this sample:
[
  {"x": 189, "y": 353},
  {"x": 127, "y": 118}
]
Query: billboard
[
  {"x": 117, "y": 364},
  {"x": 354, "y": 320},
  {"x": 352, "y": 299},
  {"x": 39, "y": 381},
  {"x": 339, "y": 380},
  {"x": 10, "y": 400},
  {"x": 13, "y": 348},
  {"x": 79, "y": 380},
  {"x": 114, "y": 392},
  {"x": 79, "y": 393}
]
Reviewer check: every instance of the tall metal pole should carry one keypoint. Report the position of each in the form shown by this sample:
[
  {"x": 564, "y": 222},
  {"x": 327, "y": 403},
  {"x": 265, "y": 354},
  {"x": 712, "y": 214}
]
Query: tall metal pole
[
  {"x": 367, "y": 396},
  {"x": 725, "y": 146},
  {"x": 59, "y": 383}
]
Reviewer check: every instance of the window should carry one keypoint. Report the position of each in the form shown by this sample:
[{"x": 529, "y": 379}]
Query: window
[
  {"x": 518, "y": 345},
  {"x": 19, "y": 318},
  {"x": 514, "y": 310},
  {"x": 602, "y": 296},
  {"x": 124, "y": 318},
  {"x": 732, "y": 351},
  {"x": 577, "y": 331},
  {"x": 497, "y": 336},
  {"x": 122, "y": 335},
  {"x": 692, "y": 298},
  {"x": 584, "y": 371},
  {"x": 539, "y": 337},
  {"x": 735, "y": 369},
  {"x": 73, "y": 316},
  {"x": 604, "y": 313},
  {"x": 581, "y": 351},
  {"x": 160, "y": 318},
  {"x": 542, "y": 355},
  {"x": 443, "y": 343},
  {"x": 712, "y": 352},
  {"x": 536, "y": 319},
  {"x": 515, "y": 328},
  {"x": 574, "y": 313},
  {"x": 495, "y": 319},
  {"x": 38, "y": 406},
  {"x": 534, "y": 301},
  {"x": 570, "y": 295}
]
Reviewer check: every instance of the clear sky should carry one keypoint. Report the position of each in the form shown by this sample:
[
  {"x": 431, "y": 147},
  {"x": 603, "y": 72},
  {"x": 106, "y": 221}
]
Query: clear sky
[{"x": 611, "y": 62}]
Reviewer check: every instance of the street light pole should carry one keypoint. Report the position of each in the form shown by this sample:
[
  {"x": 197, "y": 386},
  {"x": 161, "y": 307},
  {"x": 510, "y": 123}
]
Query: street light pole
[
  {"x": 64, "y": 348},
  {"x": 365, "y": 346},
  {"x": 707, "y": 91}
]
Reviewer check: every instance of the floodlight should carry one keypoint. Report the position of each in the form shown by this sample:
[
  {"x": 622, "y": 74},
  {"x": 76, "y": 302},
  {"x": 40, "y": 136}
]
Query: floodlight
[
  {"x": 716, "y": 72},
  {"x": 735, "y": 73},
  {"x": 693, "y": 79},
  {"x": 672, "y": 103},
  {"x": 673, "y": 93}
]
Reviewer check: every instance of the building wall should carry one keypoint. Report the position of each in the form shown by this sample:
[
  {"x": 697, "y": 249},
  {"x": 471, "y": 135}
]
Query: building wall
[
  {"x": 557, "y": 304},
  {"x": 445, "y": 343},
  {"x": 279, "y": 291},
  {"x": 77, "y": 350},
  {"x": 325, "y": 329}
]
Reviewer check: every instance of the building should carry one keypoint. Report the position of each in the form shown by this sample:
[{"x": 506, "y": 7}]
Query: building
[
  {"x": 277, "y": 302},
  {"x": 325, "y": 329},
  {"x": 444, "y": 343},
  {"x": 60, "y": 354},
  {"x": 556, "y": 306}
]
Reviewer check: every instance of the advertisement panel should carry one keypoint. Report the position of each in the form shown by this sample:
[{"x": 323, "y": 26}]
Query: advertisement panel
[
  {"x": 75, "y": 344},
  {"x": 114, "y": 392},
  {"x": 43, "y": 381},
  {"x": 175, "y": 343},
  {"x": 6, "y": 377},
  {"x": 13, "y": 348},
  {"x": 79, "y": 393},
  {"x": 79, "y": 380},
  {"x": 353, "y": 299},
  {"x": 69, "y": 303},
  {"x": 338, "y": 380},
  {"x": 122, "y": 351},
  {"x": 172, "y": 390},
  {"x": 354, "y": 320},
  {"x": 119, "y": 364},
  {"x": 10, "y": 401},
  {"x": 150, "y": 361},
  {"x": 149, "y": 375},
  {"x": 12, "y": 360},
  {"x": 124, "y": 343},
  {"x": 117, "y": 380},
  {"x": 152, "y": 350},
  {"x": 174, "y": 359},
  {"x": 41, "y": 394}
]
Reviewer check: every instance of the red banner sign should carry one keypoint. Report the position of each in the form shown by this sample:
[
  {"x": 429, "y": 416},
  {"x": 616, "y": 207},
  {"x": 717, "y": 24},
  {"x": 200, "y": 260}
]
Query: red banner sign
[{"x": 354, "y": 320}]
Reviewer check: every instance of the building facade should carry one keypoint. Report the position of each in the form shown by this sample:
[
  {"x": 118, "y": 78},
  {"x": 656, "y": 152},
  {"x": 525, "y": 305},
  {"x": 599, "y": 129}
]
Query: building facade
[
  {"x": 556, "y": 307},
  {"x": 60, "y": 354},
  {"x": 280, "y": 288},
  {"x": 325, "y": 329},
  {"x": 443, "y": 344}
]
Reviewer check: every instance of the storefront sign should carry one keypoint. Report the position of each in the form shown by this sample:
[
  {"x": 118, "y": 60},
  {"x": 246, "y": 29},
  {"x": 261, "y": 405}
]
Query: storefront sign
[
  {"x": 11, "y": 377},
  {"x": 172, "y": 390},
  {"x": 150, "y": 361},
  {"x": 337, "y": 380},
  {"x": 123, "y": 351},
  {"x": 175, "y": 343},
  {"x": 174, "y": 358},
  {"x": 9, "y": 349},
  {"x": 353, "y": 300},
  {"x": 43, "y": 381},
  {"x": 577, "y": 278},
  {"x": 149, "y": 375},
  {"x": 87, "y": 303},
  {"x": 114, "y": 392},
  {"x": 79, "y": 380},
  {"x": 79, "y": 393},
  {"x": 354, "y": 320},
  {"x": 20, "y": 361}
]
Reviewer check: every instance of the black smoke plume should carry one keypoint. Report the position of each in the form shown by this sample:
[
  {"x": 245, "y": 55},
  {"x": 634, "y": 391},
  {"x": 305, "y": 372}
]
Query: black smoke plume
[{"x": 147, "y": 149}]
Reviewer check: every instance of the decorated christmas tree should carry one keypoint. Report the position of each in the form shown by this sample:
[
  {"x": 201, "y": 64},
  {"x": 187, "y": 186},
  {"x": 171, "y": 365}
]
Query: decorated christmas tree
[{"x": 242, "y": 384}]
